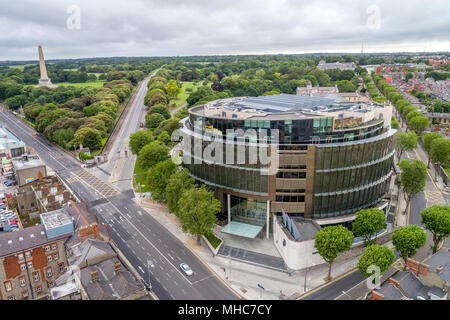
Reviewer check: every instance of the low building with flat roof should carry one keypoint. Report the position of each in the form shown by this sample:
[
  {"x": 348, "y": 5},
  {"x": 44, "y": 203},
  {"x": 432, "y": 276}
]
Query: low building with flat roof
[
  {"x": 57, "y": 222},
  {"x": 28, "y": 168},
  {"x": 10, "y": 145}
]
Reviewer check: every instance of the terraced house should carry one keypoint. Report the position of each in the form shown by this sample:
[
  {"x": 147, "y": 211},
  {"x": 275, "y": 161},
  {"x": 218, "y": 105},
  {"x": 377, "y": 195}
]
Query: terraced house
[
  {"x": 332, "y": 158},
  {"x": 32, "y": 258}
]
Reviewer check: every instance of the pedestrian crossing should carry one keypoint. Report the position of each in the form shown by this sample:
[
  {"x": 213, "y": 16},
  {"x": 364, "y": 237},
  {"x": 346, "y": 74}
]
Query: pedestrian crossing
[
  {"x": 434, "y": 198},
  {"x": 97, "y": 184}
]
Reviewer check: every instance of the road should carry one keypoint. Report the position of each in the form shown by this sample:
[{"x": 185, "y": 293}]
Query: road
[
  {"x": 119, "y": 169},
  {"x": 138, "y": 235}
]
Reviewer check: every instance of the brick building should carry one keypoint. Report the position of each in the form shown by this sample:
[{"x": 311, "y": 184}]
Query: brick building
[
  {"x": 32, "y": 258},
  {"x": 427, "y": 280},
  {"x": 42, "y": 195}
]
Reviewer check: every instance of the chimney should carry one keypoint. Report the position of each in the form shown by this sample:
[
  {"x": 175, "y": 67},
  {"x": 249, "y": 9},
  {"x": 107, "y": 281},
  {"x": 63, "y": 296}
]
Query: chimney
[
  {"x": 117, "y": 267},
  {"x": 94, "y": 275},
  {"x": 412, "y": 265},
  {"x": 377, "y": 296},
  {"x": 423, "y": 269}
]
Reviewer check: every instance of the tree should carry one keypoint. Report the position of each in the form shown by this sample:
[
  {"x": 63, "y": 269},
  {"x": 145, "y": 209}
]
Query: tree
[
  {"x": 419, "y": 124},
  {"x": 138, "y": 140},
  {"x": 152, "y": 120},
  {"x": 440, "y": 152},
  {"x": 413, "y": 178},
  {"x": 88, "y": 137},
  {"x": 437, "y": 220},
  {"x": 428, "y": 138},
  {"x": 405, "y": 141},
  {"x": 407, "y": 240},
  {"x": 172, "y": 88},
  {"x": 158, "y": 177},
  {"x": 332, "y": 240},
  {"x": 346, "y": 86},
  {"x": 408, "y": 76},
  {"x": 151, "y": 154},
  {"x": 368, "y": 222},
  {"x": 160, "y": 108},
  {"x": 197, "y": 211},
  {"x": 178, "y": 182},
  {"x": 413, "y": 114},
  {"x": 380, "y": 256},
  {"x": 394, "y": 123}
]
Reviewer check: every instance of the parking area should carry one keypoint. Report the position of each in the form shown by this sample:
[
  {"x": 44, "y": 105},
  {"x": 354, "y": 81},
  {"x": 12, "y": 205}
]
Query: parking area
[{"x": 9, "y": 221}]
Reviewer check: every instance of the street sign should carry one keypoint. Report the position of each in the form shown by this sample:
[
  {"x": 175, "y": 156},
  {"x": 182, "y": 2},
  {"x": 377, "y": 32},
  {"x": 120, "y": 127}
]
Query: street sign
[{"x": 260, "y": 286}]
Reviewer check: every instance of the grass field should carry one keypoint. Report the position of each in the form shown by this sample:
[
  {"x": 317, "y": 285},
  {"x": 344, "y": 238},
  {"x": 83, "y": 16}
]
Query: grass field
[
  {"x": 82, "y": 84},
  {"x": 21, "y": 66},
  {"x": 140, "y": 177},
  {"x": 181, "y": 99}
]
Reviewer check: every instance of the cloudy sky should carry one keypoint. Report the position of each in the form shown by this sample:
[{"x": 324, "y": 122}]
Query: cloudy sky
[{"x": 99, "y": 28}]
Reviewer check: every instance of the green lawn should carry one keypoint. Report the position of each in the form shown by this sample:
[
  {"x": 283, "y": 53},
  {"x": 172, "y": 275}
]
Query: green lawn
[
  {"x": 21, "y": 66},
  {"x": 213, "y": 240},
  {"x": 82, "y": 84},
  {"x": 181, "y": 99},
  {"x": 140, "y": 177}
]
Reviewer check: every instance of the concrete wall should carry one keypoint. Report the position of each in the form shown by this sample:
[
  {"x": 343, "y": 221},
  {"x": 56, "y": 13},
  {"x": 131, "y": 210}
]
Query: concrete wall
[
  {"x": 296, "y": 254},
  {"x": 35, "y": 173},
  {"x": 301, "y": 254}
]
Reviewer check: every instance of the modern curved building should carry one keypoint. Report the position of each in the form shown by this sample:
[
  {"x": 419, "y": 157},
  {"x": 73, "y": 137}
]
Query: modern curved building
[{"x": 308, "y": 156}]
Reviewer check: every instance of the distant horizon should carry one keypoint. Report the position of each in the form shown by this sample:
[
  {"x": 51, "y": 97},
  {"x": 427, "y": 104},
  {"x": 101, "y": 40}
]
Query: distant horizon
[{"x": 317, "y": 53}]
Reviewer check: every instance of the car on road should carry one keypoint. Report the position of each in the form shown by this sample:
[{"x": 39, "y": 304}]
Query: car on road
[{"x": 186, "y": 269}]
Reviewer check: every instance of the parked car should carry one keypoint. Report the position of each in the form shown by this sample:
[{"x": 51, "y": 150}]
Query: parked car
[
  {"x": 9, "y": 183},
  {"x": 186, "y": 269},
  {"x": 146, "y": 284},
  {"x": 9, "y": 195}
]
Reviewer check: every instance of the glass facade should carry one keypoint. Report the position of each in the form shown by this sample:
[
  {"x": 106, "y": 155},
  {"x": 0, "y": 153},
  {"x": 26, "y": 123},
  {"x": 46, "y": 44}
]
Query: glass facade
[
  {"x": 351, "y": 177},
  {"x": 317, "y": 131},
  {"x": 352, "y": 164},
  {"x": 248, "y": 210}
]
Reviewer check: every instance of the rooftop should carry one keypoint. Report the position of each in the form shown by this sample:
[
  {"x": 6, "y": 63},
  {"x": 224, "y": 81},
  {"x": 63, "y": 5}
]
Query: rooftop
[
  {"x": 9, "y": 140},
  {"x": 57, "y": 222},
  {"x": 26, "y": 162},
  {"x": 110, "y": 285},
  {"x": 276, "y": 106},
  {"x": 24, "y": 239},
  {"x": 440, "y": 264},
  {"x": 56, "y": 218}
]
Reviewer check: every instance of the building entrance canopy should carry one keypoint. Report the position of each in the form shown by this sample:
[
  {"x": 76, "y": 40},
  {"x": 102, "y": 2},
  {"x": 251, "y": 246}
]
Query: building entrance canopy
[{"x": 242, "y": 229}]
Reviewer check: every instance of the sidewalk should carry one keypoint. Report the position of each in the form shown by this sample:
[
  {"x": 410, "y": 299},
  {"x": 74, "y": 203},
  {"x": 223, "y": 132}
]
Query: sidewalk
[{"x": 245, "y": 277}]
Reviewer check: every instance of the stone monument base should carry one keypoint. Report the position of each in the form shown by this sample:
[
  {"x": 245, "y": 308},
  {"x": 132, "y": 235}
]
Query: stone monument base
[{"x": 46, "y": 83}]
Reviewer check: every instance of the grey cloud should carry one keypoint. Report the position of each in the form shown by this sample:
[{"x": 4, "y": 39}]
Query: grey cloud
[{"x": 188, "y": 27}]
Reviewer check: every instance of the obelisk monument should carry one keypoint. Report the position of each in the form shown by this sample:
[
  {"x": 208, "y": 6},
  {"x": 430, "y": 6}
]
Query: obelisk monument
[{"x": 44, "y": 81}]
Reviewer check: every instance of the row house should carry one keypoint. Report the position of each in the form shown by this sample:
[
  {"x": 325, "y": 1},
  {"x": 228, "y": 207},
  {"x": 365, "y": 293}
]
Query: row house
[{"x": 32, "y": 258}]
